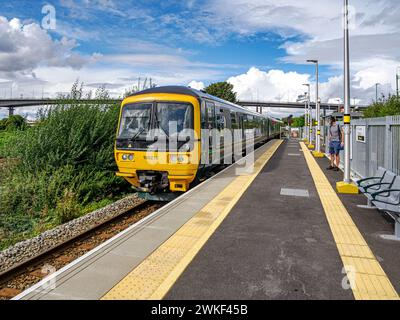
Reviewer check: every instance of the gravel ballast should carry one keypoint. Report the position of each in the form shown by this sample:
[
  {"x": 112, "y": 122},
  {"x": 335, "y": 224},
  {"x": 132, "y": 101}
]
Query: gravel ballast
[{"x": 29, "y": 249}]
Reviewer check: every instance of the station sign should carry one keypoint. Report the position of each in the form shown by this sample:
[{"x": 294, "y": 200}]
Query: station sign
[{"x": 361, "y": 134}]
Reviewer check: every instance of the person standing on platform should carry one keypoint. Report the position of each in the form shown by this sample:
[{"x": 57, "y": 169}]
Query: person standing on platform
[{"x": 336, "y": 144}]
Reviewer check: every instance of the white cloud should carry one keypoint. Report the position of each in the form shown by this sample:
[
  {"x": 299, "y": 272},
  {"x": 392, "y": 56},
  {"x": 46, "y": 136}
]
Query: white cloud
[
  {"x": 196, "y": 85},
  {"x": 26, "y": 47},
  {"x": 277, "y": 85},
  {"x": 274, "y": 85}
]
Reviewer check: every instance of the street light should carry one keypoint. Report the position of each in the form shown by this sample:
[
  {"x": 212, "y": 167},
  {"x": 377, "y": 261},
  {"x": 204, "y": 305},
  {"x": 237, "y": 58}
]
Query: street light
[
  {"x": 308, "y": 118},
  {"x": 397, "y": 81},
  {"x": 376, "y": 91},
  {"x": 346, "y": 186},
  {"x": 317, "y": 152}
]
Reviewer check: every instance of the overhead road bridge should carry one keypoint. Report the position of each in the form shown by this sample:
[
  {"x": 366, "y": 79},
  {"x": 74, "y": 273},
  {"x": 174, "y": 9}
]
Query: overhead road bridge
[
  {"x": 12, "y": 104},
  {"x": 293, "y": 105}
]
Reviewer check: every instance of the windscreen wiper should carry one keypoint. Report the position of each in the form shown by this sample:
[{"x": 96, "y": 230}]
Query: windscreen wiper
[
  {"x": 137, "y": 135},
  {"x": 159, "y": 127}
]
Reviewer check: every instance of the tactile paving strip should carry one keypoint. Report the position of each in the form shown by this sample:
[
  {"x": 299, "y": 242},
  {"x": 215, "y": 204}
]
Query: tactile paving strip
[
  {"x": 368, "y": 280},
  {"x": 154, "y": 277}
]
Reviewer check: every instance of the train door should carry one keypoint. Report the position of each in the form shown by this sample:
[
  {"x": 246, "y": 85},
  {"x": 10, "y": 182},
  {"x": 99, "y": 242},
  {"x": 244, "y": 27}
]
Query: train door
[
  {"x": 237, "y": 135},
  {"x": 210, "y": 125},
  {"x": 222, "y": 117},
  {"x": 204, "y": 136},
  {"x": 240, "y": 117}
]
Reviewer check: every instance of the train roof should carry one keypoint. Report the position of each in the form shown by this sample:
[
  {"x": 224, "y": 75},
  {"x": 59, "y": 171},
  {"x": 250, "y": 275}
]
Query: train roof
[{"x": 197, "y": 94}]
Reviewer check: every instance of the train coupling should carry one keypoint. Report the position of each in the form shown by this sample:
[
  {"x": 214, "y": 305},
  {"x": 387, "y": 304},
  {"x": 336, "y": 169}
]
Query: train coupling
[{"x": 152, "y": 181}]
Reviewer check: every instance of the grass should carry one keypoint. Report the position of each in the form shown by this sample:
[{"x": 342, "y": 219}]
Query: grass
[{"x": 60, "y": 169}]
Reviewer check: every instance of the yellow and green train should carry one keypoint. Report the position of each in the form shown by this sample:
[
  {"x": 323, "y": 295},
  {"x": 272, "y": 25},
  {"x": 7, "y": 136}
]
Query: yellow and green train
[{"x": 159, "y": 158}]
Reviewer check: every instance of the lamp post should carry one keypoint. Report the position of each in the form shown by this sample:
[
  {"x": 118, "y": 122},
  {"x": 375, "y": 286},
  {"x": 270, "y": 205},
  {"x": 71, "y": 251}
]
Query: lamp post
[
  {"x": 310, "y": 118},
  {"x": 397, "y": 81},
  {"x": 376, "y": 92},
  {"x": 317, "y": 152},
  {"x": 308, "y": 113},
  {"x": 346, "y": 186}
]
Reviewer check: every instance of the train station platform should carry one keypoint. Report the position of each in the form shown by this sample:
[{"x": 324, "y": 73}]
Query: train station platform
[{"x": 278, "y": 232}]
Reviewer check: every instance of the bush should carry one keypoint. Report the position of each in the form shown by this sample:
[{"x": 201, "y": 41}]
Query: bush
[
  {"x": 59, "y": 167},
  {"x": 5, "y": 136}
]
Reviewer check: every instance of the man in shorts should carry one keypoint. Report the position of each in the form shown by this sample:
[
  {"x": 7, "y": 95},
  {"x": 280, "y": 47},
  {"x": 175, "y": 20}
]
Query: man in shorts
[{"x": 336, "y": 143}]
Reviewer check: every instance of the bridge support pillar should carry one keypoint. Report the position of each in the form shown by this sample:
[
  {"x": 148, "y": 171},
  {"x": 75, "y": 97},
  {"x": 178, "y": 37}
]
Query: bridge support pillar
[{"x": 10, "y": 111}]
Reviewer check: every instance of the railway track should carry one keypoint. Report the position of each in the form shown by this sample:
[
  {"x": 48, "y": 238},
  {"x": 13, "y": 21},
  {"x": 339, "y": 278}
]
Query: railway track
[{"x": 20, "y": 278}]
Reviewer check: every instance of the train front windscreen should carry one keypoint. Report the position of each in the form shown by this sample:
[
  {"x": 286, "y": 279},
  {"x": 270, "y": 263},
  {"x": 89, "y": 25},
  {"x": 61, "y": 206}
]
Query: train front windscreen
[{"x": 144, "y": 124}]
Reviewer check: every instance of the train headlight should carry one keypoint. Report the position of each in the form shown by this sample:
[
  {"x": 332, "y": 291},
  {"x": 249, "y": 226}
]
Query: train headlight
[
  {"x": 181, "y": 159},
  {"x": 126, "y": 157}
]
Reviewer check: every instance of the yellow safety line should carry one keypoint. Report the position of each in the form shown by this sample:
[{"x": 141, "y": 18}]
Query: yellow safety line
[
  {"x": 155, "y": 276},
  {"x": 367, "y": 278}
]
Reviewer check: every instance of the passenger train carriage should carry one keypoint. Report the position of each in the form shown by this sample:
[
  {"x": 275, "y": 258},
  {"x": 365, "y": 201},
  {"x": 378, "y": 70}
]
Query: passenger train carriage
[{"x": 162, "y": 146}]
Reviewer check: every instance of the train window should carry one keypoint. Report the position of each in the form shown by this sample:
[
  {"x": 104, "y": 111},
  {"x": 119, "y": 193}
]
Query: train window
[
  {"x": 234, "y": 120},
  {"x": 220, "y": 119},
  {"x": 258, "y": 129},
  {"x": 210, "y": 115},
  {"x": 245, "y": 122},
  {"x": 250, "y": 122}
]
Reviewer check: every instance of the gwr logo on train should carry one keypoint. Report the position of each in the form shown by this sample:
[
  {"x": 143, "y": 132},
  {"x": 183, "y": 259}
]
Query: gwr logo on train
[{"x": 168, "y": 138}]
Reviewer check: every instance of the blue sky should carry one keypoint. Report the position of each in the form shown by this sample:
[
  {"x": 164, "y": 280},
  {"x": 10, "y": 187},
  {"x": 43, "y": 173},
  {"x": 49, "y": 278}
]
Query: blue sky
[{"x": 260, "y": 46}]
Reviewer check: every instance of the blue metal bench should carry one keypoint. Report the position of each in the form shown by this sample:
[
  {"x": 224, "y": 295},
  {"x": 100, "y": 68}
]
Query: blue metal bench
[
  {"x": 382, "y": 182},
  {"x": 364, "y": 183},
  {"x": 389, "y": 201}
]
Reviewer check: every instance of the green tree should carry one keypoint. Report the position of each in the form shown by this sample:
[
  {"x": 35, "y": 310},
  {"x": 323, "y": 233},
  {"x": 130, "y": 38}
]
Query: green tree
[
  {"x": 13, "y": 123},
  {"x": 298, "y": 122},
  {"x": 383, "y": 108},
  {"x": 223, "y": 90}
]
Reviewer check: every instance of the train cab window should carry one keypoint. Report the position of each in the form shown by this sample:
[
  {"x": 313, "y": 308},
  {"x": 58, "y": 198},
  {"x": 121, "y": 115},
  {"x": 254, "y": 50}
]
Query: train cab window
[
  {"x": 174, "y": 114},
  {"x": 135, "y": 120}
]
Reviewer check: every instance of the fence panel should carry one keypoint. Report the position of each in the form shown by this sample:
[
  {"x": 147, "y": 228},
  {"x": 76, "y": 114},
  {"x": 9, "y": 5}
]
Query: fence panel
[
  {"x": 380, "y": 148},
  {"x": 395, "y": 132}
]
